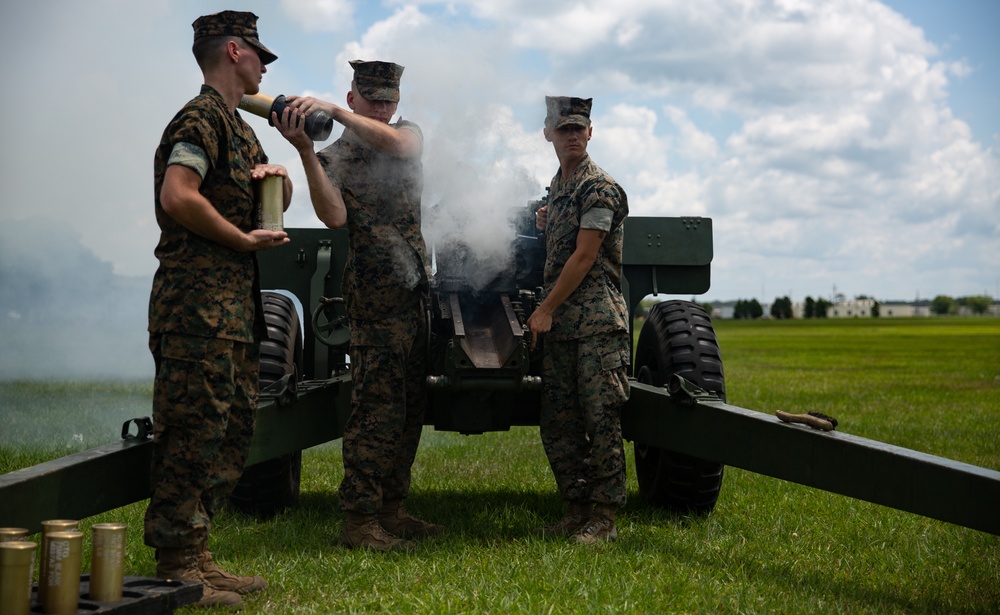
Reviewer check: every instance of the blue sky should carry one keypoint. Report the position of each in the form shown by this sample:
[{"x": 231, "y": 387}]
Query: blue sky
[
  {"x": 965, "y": 29},
  {"x": 845, "y": 143}
]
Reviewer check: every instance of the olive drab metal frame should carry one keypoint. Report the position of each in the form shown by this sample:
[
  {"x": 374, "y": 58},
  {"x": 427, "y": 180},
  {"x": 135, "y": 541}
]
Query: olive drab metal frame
[{"x": 661, "y": 255}]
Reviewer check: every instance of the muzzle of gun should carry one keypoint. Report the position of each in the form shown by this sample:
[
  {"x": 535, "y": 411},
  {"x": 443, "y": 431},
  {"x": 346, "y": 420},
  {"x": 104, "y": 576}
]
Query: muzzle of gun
[{"x": 318, "y": 126}]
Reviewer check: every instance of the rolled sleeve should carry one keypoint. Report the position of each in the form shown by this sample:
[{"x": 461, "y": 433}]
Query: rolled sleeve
[
  {"x": 190, "y": 156},
  {"x": 597, "y": 219}
]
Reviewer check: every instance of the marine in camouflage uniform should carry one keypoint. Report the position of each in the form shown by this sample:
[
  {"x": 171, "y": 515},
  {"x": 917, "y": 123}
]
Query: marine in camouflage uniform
[
  {"x": 585, "y": 367},
  {"x": 385, "y": 284},
  {"x": 375, "y": 190},
  {"x": 205, "y": 314}
]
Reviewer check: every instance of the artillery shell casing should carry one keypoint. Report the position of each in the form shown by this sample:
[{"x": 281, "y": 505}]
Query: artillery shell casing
[
  {"x": 48, "y": 527},
  {"x": 270, "y": 203},
  {"x": 258, "y": 104},
  {"x": 13, "y": 534},
  {"x": 107, "y": 562},
  {"x": 17, "y": 560},
  {"x": 62, "y": 573}
]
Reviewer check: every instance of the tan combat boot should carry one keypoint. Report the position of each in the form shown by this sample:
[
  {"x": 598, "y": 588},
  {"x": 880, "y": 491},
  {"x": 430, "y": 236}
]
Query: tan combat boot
[
  {"x": 227, "y": 581},
  {"x": 599, "y": 528},
  {"x": 364, "y": 531},
  {"x": 577, "y": 514},
  {"x": 397, "y": 521},
  {"x": 182, "y": 564}
]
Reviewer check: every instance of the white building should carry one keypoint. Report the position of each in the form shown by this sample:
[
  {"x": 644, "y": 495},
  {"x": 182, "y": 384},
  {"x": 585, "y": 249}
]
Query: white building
[
  {"x": 856, "y": 308},
  {"x": 903, "y": 310}
]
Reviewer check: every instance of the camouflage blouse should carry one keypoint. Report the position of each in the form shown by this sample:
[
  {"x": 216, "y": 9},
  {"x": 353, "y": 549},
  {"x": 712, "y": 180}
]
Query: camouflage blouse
[
  {"x": 201, "y": 287},
  {"x": 588, "y": 199},
  {"x": 387, "y": 264}
]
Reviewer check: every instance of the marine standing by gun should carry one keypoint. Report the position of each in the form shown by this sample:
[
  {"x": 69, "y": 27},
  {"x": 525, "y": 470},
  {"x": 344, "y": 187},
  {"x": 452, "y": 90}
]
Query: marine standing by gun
[
  {"x": 585, "y": 322},
  {"x": 371, "y": 180},
  {"x": 205, "y": 313}
]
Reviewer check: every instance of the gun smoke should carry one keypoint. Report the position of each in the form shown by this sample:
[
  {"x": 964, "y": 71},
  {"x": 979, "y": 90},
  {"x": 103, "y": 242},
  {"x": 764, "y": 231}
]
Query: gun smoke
[
  {"x": 459, "y": 85},
  {"x": 64, "y": 313}
]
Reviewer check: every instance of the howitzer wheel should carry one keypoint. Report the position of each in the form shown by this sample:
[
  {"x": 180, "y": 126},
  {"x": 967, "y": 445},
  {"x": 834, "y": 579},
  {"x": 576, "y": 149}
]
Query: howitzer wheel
[
  {"x": 678, "y": 338},
  {"x": 268, "y": 487}
]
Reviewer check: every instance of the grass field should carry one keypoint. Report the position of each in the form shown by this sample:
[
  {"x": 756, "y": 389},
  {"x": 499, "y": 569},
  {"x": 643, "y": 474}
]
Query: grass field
[{"x": 769, "y": 547}]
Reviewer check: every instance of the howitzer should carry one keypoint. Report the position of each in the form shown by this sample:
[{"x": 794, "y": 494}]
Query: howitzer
[
  {"x": 483, "y": 374},
  {"x": 485, "y": 378}
]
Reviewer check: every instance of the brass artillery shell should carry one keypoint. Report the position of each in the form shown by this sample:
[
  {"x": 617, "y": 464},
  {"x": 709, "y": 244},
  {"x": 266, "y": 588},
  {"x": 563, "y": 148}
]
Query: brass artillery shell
[
  {"x": 62, "y": 573},
  {"x": 270, "y": 203},
  {"x": 17, "y": 559},
  {"x": 48, "y": 527},
  {"x": 258, "y": 104},
  {"x": 13, "y": 534},
  {"x": 107, "y": 562}
]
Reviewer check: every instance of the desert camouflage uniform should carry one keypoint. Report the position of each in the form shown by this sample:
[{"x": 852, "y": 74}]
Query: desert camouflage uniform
[
  {"x": 585, "y": 368},
  {"x": 205, "y": 322},
  {"x": 385, "y": 286}
]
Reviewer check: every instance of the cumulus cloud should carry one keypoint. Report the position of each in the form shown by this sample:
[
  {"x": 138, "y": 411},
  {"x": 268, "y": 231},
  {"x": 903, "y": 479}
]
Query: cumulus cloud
[
  {"x": 321, "y": 15},
  {"x": 843, "y": 143},
  {"x": 819, "y": 136}
]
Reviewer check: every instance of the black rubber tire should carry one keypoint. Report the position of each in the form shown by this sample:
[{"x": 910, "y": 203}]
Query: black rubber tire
[
  {"x": 678, "y": 338},
  {"x": 269, "y": 487}
]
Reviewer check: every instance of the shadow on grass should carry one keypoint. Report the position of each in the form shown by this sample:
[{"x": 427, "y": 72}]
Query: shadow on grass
[
  {"x": 483, "y": 516},
  {"x": 492, "y": 519}
]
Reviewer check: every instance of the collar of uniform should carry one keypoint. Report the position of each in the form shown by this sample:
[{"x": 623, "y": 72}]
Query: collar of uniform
[
  {"x": 580, "y": 169},
  {"x": 233, "y": 116},
  {"x": 212, "y": 92}
]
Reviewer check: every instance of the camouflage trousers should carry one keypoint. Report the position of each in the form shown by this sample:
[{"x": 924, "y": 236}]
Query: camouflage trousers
[
  {"x": 389, "y": 400},
  {"x": 204, "y": 405},
  {"x": 585, "y": 387}
]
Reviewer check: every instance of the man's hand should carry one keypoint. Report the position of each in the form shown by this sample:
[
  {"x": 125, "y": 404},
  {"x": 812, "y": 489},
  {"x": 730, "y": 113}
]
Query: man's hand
[
  {"x": 541, "y": 218},
  {"x": 539, "y": 322},
  {"x": 261, "y": 239},
  {"x": 307, "y": 104},
  {"x": 292, "y": 126},
  {"x": 276, "y": 170},
  {"x": 267, "y": 170}
]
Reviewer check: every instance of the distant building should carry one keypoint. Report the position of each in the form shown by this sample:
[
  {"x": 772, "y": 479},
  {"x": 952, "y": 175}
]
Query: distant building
[
  {"x": 903, "y": 310},
  {"x": 856, "y": 308},
  {"x": 723, "y": 310}
]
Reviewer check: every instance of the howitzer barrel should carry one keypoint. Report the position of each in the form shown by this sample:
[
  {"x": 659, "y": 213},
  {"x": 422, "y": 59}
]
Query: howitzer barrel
[
  {"x": 480, "y": 376},
  {"x": 486, "y": 334}
]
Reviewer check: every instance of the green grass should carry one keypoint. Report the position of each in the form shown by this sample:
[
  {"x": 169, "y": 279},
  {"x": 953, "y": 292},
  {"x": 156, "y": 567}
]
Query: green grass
[
  {"x": 769, "y": 547},
  {"x": 43, "y": 420},
  {"x": 927, "y": 384}
]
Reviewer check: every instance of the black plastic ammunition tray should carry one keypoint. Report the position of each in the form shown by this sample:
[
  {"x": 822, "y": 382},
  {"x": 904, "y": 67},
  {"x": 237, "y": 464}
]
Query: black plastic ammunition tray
[{"x": 140, "y": 596}]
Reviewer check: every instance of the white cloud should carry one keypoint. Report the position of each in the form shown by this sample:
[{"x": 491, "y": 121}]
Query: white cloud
[
  {"x": 321, "y": 15},
  {"x": 817, "y": 135}
]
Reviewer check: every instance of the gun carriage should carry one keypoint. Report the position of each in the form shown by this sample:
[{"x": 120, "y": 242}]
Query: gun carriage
[{"x": 484, "y": 377}]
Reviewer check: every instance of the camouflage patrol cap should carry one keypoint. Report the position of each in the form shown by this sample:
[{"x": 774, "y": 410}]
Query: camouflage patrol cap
[
  {"x": 233, "y": 23},
  {"x": 377, "y": 80},
  {"x": 565, "y": 110}
]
